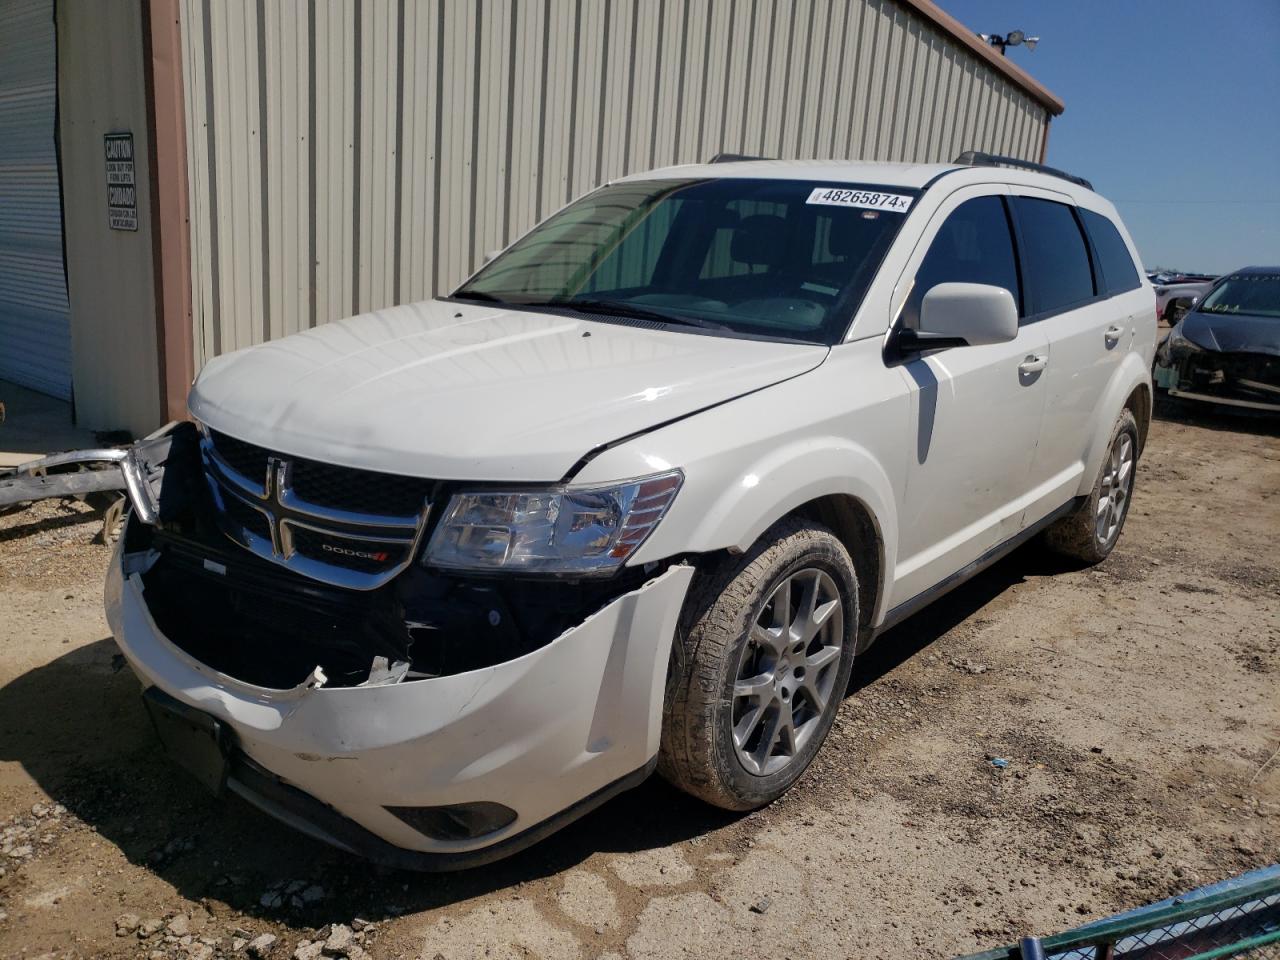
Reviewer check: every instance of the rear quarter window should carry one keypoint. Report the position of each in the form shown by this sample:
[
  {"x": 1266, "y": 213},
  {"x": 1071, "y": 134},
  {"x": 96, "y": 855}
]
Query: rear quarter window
[
  {"x": 1118, "y": 271},
  {"x": 1055, "y": 260}
]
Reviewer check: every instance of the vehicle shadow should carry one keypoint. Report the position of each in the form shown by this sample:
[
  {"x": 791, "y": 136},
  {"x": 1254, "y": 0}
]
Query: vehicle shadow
[
  {"x": 1196, "y": 413},
  {"x": 903, "y": 641},
  {"x": 78, "y": 728}
]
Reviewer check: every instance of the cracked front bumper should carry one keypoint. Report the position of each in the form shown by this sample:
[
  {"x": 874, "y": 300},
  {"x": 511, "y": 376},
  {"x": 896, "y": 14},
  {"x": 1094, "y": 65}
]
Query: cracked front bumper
[
  {"x": 549, "y": 734},
  {"x": 1248, "y": 380}
]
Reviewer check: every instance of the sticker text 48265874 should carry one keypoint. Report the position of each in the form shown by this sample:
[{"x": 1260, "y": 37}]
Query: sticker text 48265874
[{"x": 862, "y": 199}]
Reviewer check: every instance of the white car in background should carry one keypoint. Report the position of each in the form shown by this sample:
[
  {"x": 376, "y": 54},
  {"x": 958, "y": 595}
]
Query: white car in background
[
  {"x": 431, "y": 582},
  {"x": 1176, "y": 296}
]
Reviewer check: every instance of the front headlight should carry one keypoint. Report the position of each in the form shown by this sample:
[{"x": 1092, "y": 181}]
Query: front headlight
[
  {"x": 578, "y": 531},
  {"x": 1178, "y": 341}
]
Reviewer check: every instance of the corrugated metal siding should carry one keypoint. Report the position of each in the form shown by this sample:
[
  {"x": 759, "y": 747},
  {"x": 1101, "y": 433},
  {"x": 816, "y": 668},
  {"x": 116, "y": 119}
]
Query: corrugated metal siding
[
  {"x": 352, "y": 154},
  {"x": 35, "y": 334}
]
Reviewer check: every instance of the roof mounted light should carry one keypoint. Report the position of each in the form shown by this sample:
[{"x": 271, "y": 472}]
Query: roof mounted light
[{"x": 1014, "y": 38}]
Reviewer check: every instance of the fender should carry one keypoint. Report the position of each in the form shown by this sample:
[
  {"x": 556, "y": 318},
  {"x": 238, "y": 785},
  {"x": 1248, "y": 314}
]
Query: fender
[
  {"x": 1131, "y": 374},
  {"x": 791, "y": 476},
  {"x": 786, "y": 479},
  {"x": 749, "y": 463}
]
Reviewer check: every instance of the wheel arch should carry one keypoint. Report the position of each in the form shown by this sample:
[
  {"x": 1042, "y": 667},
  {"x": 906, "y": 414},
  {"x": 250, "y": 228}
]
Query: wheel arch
[
  {"x": 853, "y": 522},
  {"x": 1130, "y": 389},
  {"x": 824, "y": 478},
  {"x": 829, "y": 480},
  {"x": 1139, "y": 404}
]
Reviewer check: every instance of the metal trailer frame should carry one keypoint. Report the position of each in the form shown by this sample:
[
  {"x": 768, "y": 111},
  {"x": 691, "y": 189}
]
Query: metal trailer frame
[
  {"x": 1239, "y": 917},
  {"x": 113, "y": 468}
]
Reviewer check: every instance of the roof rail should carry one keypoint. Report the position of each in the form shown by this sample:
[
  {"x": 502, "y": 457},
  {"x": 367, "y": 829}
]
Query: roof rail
[
  {"x": 975, "y": 158},
  {"x": 734, "y": 158}
]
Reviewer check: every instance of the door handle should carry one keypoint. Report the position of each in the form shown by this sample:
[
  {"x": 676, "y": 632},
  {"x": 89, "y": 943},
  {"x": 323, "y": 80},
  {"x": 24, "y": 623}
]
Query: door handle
[
  {"x": 1113, "y": 334},
  {"x": 1034, "y": 363}
]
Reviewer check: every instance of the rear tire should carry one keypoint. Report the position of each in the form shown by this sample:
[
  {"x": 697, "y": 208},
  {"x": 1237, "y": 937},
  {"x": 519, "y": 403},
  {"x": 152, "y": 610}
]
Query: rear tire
[
  {"x": 1091, "y": 532},
  {"x": 759, "y": 667}
]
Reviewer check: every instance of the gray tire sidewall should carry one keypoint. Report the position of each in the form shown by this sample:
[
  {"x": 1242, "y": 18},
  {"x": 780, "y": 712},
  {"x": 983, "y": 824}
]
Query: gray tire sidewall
[{"x": 757, "y": 790}]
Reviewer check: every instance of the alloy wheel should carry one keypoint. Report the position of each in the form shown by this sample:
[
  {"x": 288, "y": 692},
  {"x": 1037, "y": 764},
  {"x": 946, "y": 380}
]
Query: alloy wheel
[
  {"x": 787, "y": 671},
  {"x": 1117, "y": 485}
]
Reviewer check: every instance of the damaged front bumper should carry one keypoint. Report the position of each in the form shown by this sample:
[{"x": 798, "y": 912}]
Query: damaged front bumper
[
  {"x": 96, "y": 470},
  {"x": 1246, "y": 380},
  {"x": 548, "y": 735},
  {"x": 493, "y": 713}
]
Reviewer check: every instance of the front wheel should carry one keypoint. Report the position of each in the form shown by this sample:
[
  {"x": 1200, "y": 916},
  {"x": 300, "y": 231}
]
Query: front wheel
[
  {"x": 1090, "y": 533},
  {"x": 759, "y": 667}
]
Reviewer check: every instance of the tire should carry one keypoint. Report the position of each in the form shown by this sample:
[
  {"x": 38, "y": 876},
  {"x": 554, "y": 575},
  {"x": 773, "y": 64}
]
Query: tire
[
  {"x": 1083, "y": 534},
  {"x": 721, "y": 643}
]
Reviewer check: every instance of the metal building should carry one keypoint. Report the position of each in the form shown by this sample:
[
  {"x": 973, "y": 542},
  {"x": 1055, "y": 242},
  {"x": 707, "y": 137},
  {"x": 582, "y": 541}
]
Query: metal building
[
  {"x": 35, "y": 335},
  {"x": 302, "y": 161}
]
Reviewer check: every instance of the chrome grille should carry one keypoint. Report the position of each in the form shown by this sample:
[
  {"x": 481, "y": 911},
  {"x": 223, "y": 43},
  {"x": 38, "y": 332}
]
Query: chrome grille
[{"x": 347, "y": 527}]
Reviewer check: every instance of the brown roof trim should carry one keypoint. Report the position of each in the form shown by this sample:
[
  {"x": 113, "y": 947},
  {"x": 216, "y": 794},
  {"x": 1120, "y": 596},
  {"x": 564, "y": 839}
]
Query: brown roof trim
[
  {"x": 949, "y": 24},
  {"x": 170, "y": 218}
]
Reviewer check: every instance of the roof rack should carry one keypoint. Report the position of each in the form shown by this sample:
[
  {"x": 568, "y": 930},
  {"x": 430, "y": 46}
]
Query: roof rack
[
  {"x": 734, "y": 158},
  {"x": 975, "y": 158}
]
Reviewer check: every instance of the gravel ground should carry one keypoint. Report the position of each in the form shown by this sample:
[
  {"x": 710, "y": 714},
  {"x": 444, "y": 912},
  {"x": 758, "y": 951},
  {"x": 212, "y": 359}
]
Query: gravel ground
[{"x": 1134, "y": 702}]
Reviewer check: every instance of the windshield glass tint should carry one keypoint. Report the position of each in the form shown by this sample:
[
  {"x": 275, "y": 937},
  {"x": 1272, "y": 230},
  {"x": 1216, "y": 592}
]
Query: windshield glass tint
[
  {"x": 748, "y": 256},
  {"x": 1255, "y": 294}
]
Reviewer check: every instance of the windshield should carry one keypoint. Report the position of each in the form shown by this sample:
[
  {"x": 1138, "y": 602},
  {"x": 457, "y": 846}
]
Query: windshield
[
  {"x": 776, "y": 258},
  {"x": 1256, "y": 294}
]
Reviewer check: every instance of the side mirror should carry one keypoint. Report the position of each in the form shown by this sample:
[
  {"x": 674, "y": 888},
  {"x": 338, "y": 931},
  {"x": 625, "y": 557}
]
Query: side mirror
[
  {"x": 963, "y": 315},
  {"x": 1179, "y": 308}
]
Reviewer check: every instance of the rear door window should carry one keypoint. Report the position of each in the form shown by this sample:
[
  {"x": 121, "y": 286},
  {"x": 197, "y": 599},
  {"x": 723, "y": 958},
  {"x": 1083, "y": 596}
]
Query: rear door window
[
  {"x": 1118, "y": 271},
  {"x": 973, "y": 245},
  {"x": 1055, "y": 260}
]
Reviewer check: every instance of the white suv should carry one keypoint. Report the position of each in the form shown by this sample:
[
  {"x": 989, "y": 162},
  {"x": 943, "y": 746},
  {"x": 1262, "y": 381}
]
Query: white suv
[{"x": 433, "y": 581}]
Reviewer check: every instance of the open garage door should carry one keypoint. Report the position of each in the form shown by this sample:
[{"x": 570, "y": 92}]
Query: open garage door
[{"x": 35, "y": 332}]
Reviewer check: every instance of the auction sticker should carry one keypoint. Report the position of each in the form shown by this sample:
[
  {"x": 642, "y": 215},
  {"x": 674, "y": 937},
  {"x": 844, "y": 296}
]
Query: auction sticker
[{"x": 862, "y": 199}]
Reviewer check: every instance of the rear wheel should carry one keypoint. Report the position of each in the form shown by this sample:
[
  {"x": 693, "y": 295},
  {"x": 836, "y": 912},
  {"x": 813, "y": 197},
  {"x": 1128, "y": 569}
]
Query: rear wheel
[
  {"x": 1091, "y": 532},
  {"x": 759, "y": 667}
]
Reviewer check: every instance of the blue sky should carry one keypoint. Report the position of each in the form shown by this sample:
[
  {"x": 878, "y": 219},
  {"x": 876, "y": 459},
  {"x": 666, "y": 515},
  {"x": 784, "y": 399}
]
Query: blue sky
[{"x": 1173, "y": 111}]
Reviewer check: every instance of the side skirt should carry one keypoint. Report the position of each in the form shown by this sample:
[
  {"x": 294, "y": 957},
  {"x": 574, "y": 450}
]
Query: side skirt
[{"x": 922, "y": 600}]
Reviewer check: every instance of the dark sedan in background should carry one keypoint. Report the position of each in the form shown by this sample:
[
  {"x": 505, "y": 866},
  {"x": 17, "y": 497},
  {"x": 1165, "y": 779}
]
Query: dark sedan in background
[{"x": 1227, "y": 348}]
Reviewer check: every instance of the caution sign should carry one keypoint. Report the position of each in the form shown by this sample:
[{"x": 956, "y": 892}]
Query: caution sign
[{"x": 122, "y": 191}]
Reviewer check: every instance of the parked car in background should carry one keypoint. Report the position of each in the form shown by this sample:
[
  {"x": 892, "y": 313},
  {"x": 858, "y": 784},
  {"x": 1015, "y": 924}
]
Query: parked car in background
[
  {"x": 1176, "y": 293},
  {"x": 1226, "y": 349},
  {"x": 430, "y": 582}
]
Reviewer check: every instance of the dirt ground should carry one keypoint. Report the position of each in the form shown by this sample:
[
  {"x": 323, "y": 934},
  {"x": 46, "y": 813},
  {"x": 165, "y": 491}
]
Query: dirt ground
[{"x": 1136, "y": 704}]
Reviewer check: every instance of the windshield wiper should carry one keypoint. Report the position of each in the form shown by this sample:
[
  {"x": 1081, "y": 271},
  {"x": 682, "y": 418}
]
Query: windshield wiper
[
  {"x": 623, "y": 308},
  {"x": 477, "y": 295}
]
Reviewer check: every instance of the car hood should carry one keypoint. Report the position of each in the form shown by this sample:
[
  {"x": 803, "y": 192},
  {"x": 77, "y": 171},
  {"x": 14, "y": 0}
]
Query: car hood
[
  {"x": 473, "y": 392},
  {"x": 1233, "y": 333}
]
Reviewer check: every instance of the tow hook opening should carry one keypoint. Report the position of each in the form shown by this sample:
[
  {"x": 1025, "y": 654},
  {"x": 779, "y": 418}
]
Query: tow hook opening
[{"x": 274, "y": 628}]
